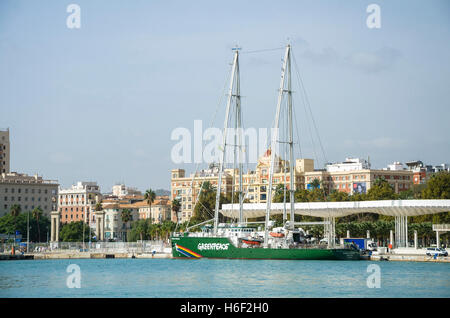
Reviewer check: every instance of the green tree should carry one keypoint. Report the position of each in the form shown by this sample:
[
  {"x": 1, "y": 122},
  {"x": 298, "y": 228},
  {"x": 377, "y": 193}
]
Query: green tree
[
  {"x": 438, "y": 186},
  {"x": 316, "y": 195},
  {"x": 381, "y": 190},
  {"x": 315, "y": 184},
  {"x": 139, "y": 230},
  {"x": 73, "y": 232},
  {"x": 15, "y": 211},
  {"x": 301, "y": 195},
  {"x": 125, "y": 215},
  {"x": 37, "y": 214},
  {"x": 279, "y": 194},
  {"x": 150, "y": 196},
  {"x": 8, "y": 225},
  {"x": 176, "y": 206},
  {"x": 98, "y": 206},
  {"x": 338, "y": 196},
  {"x": 206, "y": 204}
]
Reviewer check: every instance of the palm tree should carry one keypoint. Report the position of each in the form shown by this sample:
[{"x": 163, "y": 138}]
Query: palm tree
[
  {"x": 141, "y": 228},
  {"x": 126, "y": 217},
  {"x": 98, "y": 206},
  {"x": 315, "y": 184},
  {"x": 37, "y": 213},
  {"x": 166, "y": 229},
  {"x": 176, "y": 206},
  {"x": 150, "y": 196},
  {"x": 15, "y": 211}
]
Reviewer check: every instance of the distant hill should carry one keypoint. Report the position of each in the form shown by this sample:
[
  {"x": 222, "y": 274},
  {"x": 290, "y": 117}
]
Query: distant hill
[{"x": 162, "y": 192}]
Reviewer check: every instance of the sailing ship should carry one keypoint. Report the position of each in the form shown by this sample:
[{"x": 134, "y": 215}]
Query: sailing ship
[{"x": 241, "y": 241}]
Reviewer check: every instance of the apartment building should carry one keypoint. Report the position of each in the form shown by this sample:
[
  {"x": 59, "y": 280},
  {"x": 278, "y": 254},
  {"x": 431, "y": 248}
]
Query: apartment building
[
  {"x": 120, "y": 190},
  {"x": 78, "y": 202},
  {"x": 28, "y": 192},
  {"x": 115, "y": 227},
  {"x": 160, "y": 210},
  {"x": 186, "y": 189},
  {"x": 4, "y": 151},
  {"x": 422, "y": 172},
  {"x": 256, "y": 182},
  {"x": 355, "y": 175}
]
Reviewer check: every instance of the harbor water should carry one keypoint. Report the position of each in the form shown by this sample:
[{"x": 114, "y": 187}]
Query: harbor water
[{"x": 223, "y": 278}]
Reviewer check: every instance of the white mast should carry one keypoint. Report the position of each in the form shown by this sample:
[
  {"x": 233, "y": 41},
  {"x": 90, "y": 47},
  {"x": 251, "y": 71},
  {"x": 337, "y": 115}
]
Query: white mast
[
  {"x": 291, "y": 141},
  {"x": 274, "y": 141},
  {"x": 240, "y": 133},
  {"x": 234, "y": 74}
]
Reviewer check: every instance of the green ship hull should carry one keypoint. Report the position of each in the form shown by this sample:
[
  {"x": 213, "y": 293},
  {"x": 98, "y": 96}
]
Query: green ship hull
[{"x": 221, "y": 247}]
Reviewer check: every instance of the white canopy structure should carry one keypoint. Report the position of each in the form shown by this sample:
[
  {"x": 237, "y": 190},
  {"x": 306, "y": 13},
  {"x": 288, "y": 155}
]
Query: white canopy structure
[
  {"x": 339, "y": 209},
  {"x": 400, "y": 209}
]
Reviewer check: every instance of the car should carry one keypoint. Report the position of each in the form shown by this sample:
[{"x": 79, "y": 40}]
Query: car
[{"x": 436, "y": 250}]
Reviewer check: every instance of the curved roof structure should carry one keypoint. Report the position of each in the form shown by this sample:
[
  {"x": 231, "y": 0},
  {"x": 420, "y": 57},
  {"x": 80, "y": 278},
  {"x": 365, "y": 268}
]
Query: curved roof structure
[{"x": 339, "y": 209}]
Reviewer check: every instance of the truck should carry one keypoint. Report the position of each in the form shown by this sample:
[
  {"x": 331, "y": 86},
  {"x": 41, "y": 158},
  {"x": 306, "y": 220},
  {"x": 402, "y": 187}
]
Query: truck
[{"x": 362, "y": 243}]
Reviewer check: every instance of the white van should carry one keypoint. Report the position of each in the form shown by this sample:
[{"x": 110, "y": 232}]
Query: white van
[{"x": 436, "y": 250}]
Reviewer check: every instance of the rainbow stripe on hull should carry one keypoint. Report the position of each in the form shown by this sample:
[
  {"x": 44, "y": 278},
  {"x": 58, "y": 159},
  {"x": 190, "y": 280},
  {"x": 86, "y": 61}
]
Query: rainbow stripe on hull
[{"x": 186, "y": 252}]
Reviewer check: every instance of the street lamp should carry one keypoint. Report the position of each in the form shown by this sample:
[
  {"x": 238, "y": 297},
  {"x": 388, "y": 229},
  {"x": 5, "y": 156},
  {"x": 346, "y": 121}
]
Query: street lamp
[{"x": 28, "y": 229}]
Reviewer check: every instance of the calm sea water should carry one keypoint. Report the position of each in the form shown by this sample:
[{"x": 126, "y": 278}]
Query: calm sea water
[{"x": 222, "y": 278}]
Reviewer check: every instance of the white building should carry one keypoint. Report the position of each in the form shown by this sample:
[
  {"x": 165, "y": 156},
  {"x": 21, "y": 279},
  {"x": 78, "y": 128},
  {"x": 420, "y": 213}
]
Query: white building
[
  {"x": 120, "y": 190},
  {"x": 78, "y": 202},
  {"x": 395, "y": 166},
  {"x": 115, "y": 228},
  {"x": 350, "y": 164}
]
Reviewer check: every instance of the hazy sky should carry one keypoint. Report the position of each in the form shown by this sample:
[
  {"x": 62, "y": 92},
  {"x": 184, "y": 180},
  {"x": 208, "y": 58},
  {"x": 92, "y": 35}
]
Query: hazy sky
[{"x": 99, "y": 103}]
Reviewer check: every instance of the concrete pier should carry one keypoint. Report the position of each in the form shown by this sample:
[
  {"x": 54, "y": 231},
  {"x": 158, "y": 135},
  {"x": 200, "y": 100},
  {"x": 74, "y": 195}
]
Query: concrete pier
[{"x": 88, "y": 255}]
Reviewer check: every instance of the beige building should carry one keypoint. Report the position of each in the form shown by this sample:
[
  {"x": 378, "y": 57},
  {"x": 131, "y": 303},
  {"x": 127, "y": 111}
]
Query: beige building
[
  {"x": 351, "y": 176},
  {"x": 160, "y": 210},
  {"x": 256, "y": 183},
  {"x": 27, "y": 191},
  {"x": 186, "y": 189},
  {"x": 114, "y": 227},
  {"x": 354, "y": 175},
  {"x": 4, "y": 151}
]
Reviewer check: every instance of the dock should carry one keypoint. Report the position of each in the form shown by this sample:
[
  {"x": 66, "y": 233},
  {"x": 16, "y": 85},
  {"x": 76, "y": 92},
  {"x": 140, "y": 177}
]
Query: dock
[
  {"x": 81, "y": 255},
  {"x": 409, "y": 258}
]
